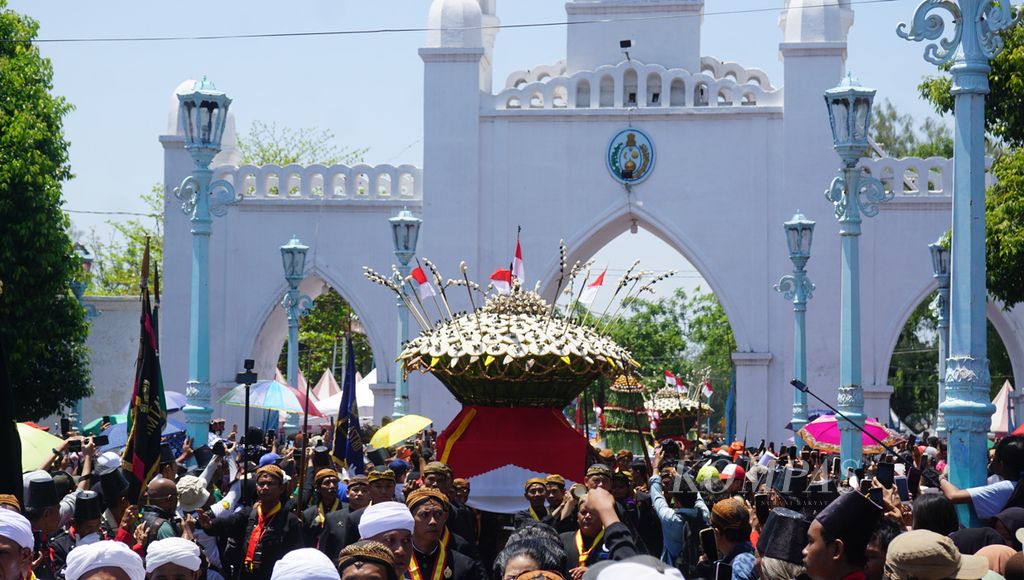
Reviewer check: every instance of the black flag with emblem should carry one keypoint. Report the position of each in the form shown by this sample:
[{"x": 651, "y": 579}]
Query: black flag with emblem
[{"x": 148, "y": 413}]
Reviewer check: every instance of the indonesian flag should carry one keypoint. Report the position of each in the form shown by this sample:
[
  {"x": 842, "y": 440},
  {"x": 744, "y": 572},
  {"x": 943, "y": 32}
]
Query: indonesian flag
[
  {"x": 599, "y": 413},
  {"x": 424, "y": 288},
  {"x": 517, "y": 264},
  {"x": 706, "y": 389},
  {"x": 590, "y": 292},
  {"x": 671, "y": 380},
  {"x": 501, "y": 279}
]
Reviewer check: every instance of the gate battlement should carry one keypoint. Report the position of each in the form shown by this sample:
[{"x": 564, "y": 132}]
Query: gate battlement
[
  {"x": 904, "y": 176},
  {"x": 380, "y": 184},
  {"x": 632, "y": 84}
]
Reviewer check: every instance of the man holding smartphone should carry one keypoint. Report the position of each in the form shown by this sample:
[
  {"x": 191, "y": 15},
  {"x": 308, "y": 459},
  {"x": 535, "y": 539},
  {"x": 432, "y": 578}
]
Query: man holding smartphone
[{"x": 677, "y": 522}]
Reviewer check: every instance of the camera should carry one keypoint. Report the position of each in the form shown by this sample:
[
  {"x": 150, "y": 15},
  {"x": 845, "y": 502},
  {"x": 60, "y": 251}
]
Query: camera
[{"x": 670, "y": 449}]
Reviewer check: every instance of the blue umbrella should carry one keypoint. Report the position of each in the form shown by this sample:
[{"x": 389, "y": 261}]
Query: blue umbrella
[{"x": 118, "y": 434}]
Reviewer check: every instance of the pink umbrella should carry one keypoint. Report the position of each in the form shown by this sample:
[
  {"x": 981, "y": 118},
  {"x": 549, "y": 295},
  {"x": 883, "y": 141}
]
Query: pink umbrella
[{"x": 823, "y": 434}]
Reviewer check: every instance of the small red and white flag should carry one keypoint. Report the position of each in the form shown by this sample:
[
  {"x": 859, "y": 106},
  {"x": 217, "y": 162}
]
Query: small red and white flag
[
  {"x": 671, "y": 380},
  {"x": 706, "y": 390},
  {"x": 424, "y": 288},
  {"x": 501, "y": 279},
  {"x": 518, "y": 270},
  {"x": 590, "y": 292}
]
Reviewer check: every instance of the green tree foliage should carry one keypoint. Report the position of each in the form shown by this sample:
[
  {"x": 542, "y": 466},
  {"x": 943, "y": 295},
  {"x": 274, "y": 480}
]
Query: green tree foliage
[
  {"x": 900, "y": 136},
  {"x": 118, "y": 260},
  {"x": 1004, "y": 209},
  {"x": 1004, "y": 121},
  {"x": 322, "y": 338},
  {"x": 913, "y": 370},
  {"x": 41, "y": 324},
  {"x": 273, "y": 145},
  {"x": 653, "y": 330},
  {"x": 679, "y": 333},
  {"x": 710, "y": 331},
  {"x": 1004, "y": 113}
]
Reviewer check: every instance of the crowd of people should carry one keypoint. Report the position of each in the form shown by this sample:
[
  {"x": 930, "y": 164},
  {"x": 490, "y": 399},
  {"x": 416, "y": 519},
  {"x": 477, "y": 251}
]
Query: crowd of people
[{"x": 695, "y": 509}]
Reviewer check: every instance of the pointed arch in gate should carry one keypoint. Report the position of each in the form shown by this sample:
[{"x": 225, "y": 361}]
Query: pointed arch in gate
[
  {"x": 1003, "y": 321},
  {"x": 270, "y": 325},
  {"x": 588, "y": 240}
]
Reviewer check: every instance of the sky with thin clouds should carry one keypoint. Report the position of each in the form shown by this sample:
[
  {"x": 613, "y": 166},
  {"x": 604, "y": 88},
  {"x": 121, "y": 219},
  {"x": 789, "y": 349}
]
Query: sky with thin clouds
[{"x": 366, "y": 88}]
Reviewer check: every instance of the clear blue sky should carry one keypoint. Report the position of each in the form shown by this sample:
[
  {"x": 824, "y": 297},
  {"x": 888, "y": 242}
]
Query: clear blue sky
[{"x": 365, "y": 88}]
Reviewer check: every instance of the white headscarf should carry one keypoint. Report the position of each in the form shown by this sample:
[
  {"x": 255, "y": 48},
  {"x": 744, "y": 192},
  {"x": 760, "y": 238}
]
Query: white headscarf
[
  {"x": 384, "y": 517},
  {"x": 175, "y": 551},
  {"x": 108, "y": 553},
  {"x": 16, "y": 528},
  {"x": 306, "y": 563}
]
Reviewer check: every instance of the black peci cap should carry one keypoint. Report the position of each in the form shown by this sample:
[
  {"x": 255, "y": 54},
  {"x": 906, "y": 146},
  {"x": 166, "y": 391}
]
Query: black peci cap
[{"x": 88, "y": 506}]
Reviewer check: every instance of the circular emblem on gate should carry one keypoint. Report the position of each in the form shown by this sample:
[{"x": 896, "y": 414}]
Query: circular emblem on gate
[{"x": 630, "y": 156}]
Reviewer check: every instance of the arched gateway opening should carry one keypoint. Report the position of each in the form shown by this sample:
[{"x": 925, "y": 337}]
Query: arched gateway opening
[
  {"x": 681, "y": 328},
  {"x": 913, "y": 368},
  {"x": 322, "y": 338}
]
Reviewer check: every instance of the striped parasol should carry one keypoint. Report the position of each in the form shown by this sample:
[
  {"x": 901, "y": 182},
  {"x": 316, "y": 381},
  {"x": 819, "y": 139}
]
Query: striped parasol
[{"x": 272, "y": 396}]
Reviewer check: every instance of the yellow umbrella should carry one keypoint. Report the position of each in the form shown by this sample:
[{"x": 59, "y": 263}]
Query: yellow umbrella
[
  {"x": 36, "y": 445},
  {"x": 399, "y": 430}
]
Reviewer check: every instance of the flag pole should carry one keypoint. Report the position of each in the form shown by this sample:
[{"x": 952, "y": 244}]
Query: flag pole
[
  {"x": 245, "y": 378},
  {"x": 469, "y": 290},
  {"x": 302, "y": 464},
  {"x": 245, "y": 449}
]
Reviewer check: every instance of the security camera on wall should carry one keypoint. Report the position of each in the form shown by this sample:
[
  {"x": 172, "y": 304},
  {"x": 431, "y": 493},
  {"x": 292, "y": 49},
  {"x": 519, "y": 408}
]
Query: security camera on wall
[{"x": 625, "y": 46}]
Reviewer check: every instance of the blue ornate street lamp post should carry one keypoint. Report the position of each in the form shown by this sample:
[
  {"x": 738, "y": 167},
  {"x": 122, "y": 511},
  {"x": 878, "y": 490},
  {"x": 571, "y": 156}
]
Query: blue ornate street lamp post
[
  {"x": 78, "y": 286},
  {"x": 295, "y": 303},
  {"x": 203, "y": 112},
  {"x": 405, "y": 230},
  {"x": 975, "y": 39},
  {"x": 799, "y": 289},
  {"x": 853, "y": 194},
  {"x": 940, "y": 270}
]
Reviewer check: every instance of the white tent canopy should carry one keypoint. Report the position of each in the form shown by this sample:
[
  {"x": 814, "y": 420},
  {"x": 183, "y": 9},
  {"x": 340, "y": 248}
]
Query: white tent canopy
[
  {"x": 364, "y": 399},
  {"x": 326, "y": 387},
  {"x": 1001, "y": 418}
]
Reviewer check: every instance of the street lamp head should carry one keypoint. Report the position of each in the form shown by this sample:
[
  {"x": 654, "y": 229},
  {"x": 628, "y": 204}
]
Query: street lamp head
[
  {"x": 405, "y": 229},
  {"x": 799, "y": 234},
  {"x": 203, "y": 112},
  {"x": 849, "y": 115},
  {"x": 84, "y": 257},
  {"x": 940, "y": 259},
  {"x": 293, "y": 255}
]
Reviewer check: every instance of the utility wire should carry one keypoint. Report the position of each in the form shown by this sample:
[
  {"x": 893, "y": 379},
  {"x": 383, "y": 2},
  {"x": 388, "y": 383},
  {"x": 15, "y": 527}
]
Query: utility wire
[
  {"x": 371, "y": 31},
  {"x": 96, "y": 212}
]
